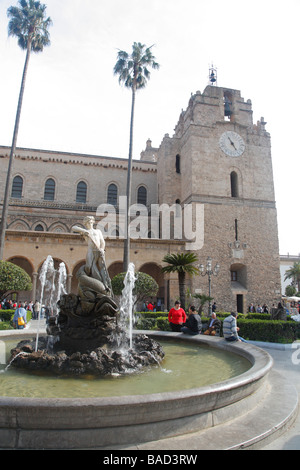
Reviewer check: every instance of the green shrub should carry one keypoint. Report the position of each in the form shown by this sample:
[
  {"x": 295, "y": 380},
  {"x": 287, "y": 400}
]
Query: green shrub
[
  {"x": 13, "y": 278},
  {"x": 274, "y": 331},
  {"x": 152, "y": 314},
  {"x": 145, "y": 323},
  {"x": 254, "y": 326},
  {"x": 163, "y": 324},
  {"x": 6, "y": 315}
]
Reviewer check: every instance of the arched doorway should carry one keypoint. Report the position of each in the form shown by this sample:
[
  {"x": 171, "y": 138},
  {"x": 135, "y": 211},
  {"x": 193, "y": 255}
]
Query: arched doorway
[
  {"x": 115, "y": 268},
  {"x": 154, "y": 270}
]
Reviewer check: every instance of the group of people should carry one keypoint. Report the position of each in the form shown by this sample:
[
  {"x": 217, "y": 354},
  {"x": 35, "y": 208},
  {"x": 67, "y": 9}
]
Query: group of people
[
  {"x": 191, "y": 323},
  {"x": 259, "y": 309}
]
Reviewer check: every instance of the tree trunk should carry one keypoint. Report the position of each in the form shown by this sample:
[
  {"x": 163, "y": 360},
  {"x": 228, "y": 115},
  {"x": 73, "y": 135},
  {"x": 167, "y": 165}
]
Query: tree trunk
[
  {"x": 126, "y": 260},
  {"x": 11, "y": 158},
  {"x": 181, "y": 281}
]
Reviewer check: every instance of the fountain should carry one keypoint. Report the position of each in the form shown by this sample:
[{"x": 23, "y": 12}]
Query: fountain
[
  {"x": 94, "y": 342},
  {"x": 89, "y": 335}
]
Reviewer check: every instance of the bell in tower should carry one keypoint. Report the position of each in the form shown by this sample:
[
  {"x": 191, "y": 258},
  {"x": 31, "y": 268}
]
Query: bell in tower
[{"x": 213, "y": 75}]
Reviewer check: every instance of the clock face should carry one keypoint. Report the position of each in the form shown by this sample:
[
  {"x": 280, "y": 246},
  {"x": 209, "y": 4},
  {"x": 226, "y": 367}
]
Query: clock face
[{"x": 232, "y": 144}]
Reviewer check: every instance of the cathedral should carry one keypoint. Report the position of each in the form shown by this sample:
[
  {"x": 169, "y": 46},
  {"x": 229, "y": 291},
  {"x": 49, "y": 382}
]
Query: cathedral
[{"x": 207, "y": 189}]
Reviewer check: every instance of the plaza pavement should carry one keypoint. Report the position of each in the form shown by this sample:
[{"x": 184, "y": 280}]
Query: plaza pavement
[{"x": 286, "y": 362}]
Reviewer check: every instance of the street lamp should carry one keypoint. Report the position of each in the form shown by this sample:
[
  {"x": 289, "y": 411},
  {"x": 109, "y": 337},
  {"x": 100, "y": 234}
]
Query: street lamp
[{"x": 208, "y": 271}]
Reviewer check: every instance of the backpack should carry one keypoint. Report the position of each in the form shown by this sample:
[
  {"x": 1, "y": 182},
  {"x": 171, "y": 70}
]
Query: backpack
[{"x": 21, "y": 321}]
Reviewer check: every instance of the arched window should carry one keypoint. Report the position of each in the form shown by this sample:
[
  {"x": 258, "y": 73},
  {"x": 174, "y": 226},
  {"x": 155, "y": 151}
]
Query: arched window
[
  {"x": 234, "y": 184},
  {"x": 81, "y": 192},
  {"x": 17, "y": 187},
  {"x": 177, "y": 164},
  {"x": 39, "y": 228},
  {"x": 142, "y": 195},
  {"x": 49, "y": 192},
  {"x": 112, "y": 195}
]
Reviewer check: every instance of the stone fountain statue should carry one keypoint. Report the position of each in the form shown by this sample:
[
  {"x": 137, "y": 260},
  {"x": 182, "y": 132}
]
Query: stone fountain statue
[
  {"x": 86, "y": 337},
  {"x": 91, "y": 316}
]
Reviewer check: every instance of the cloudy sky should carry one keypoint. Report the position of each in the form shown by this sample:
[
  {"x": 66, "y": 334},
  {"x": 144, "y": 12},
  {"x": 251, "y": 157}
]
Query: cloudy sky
[{"x": 74, "y": 103}]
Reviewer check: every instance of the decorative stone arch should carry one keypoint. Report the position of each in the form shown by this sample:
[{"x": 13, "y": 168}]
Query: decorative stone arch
[
  {"x": 58, "y": 227},
  {"x": 115, "y": 268},
  {"x": 19, "y": 224},
  {"x": 37, "y": 224},
  {"x": 23, "y": 263}
]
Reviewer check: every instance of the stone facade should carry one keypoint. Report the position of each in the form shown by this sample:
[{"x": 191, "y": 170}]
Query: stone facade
[{"x": 199, "y": 166}]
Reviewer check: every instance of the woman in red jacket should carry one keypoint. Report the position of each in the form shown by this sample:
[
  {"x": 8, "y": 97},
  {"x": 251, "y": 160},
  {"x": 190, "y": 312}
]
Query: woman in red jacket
[{"x": 177, "y": 317}]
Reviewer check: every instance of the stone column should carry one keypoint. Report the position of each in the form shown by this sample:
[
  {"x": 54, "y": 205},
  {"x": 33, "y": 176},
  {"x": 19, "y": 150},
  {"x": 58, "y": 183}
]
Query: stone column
[
  {"x": 69, "y": 283},
  {"x": 34, "y": 285}
]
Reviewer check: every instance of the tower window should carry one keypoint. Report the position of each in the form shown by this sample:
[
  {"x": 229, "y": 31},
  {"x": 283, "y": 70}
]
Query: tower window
[
  {"x": 178, "y": 164},
  {"x": 112, "y": 195},
  {"x": 81, "y": 192},
  {"x": 234, "y": 184},
  {"x": 17, "y": 187},
  {"x": 49, "y": 192},
  {"x": 142, "y": 195},
  {"x": 228, "y": 105}
]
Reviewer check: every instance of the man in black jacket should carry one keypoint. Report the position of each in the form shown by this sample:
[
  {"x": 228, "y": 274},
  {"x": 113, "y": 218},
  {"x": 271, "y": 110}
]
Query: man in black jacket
[{"x": 193, "y": 324}]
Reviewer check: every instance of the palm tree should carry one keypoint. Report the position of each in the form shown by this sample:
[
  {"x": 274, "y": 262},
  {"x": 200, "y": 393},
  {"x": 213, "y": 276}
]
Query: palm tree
[
  {"x": 133, "y": 71},
  {"x": 203, "y": 299},
  {"x": 294, "y": 274},
  {"x": 29, "y": 24},
  {"x": 182, "y": 264}
]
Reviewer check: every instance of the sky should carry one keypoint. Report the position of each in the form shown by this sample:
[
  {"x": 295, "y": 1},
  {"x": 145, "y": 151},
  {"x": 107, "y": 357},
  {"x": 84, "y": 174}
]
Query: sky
[{"x": 74, "y": 103}]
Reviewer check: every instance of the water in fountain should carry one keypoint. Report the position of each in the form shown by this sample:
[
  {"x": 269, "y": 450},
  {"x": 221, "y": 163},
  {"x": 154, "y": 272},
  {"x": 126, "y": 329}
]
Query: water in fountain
[
  {"x": 55, "y": 281},
  {"x": 128, "y": 301},
  {"x": 48, "y": 267},
  {"x": 88, "y": 345},
  {"x": 62, "y": 281}
]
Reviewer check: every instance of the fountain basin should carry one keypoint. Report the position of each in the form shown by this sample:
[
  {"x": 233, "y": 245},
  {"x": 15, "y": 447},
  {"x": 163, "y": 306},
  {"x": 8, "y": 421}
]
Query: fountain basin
[{"x": 62, "y": 423}]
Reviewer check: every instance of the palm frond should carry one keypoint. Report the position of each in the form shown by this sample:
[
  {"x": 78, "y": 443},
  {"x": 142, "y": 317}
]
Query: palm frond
[
  {"x": 180, "y": 263},
  {"x": 133, "y": 69},
  {"x": 29, "y": 24}
]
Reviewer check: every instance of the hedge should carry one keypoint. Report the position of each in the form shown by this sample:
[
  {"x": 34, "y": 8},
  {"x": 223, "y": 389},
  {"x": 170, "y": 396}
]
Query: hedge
[
  {"x": 253, "y": 326},
  {"x": 274, "y": 331}
]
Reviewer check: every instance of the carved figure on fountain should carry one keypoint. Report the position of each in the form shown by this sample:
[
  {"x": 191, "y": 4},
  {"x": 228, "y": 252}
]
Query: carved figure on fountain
[
  {"x": 86, "y": 335},
  {"x": 92, "y": 314}
]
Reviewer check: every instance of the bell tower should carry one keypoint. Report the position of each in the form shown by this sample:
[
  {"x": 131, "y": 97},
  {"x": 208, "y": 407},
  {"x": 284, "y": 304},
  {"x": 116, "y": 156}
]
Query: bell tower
[{"x": 218, "y": 158}]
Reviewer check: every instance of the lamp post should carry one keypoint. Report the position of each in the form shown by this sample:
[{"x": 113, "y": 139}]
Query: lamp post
[{"x": 208, "y": 271}]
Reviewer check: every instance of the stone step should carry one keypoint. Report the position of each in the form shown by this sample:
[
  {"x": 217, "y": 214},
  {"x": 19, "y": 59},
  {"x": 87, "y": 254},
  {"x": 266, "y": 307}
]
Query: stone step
[{"x": 253, "y": 428}]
